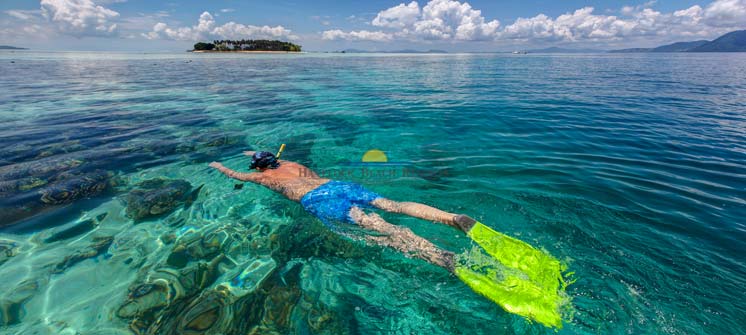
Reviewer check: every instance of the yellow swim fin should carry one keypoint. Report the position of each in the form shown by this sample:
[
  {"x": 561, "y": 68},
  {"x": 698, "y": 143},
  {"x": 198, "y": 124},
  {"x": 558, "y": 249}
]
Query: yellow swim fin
[
  {"x": 524, "y": 281},
  {"x": 542, "y": 268}
]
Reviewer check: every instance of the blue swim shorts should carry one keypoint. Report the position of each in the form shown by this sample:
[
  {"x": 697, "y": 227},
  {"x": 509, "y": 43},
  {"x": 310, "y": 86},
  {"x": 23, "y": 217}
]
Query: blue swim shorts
[{"x": 331, "y": 202}]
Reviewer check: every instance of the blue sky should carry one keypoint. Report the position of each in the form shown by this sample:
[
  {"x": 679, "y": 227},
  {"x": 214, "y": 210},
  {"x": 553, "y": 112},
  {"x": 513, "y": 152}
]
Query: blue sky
[{"x": 325, "y": 25}]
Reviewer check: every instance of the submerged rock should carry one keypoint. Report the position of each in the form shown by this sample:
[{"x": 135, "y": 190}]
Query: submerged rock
[
  {"x": 9, "y": 188},
  {"x": 197, "y": 297},
  {"x": 29, "y": 196},
  {"x": 276, "y": 311},
  {"x": 8, "y": 249},
  {"x": 59, "y": 148},
  {"x": 145, "y": 297},
  {"x": 224, "y": 309},
  {"x": 209, "y": 314},
  {"x": 43, "y": 168},
  {"x": 12, "y": 308},
  {"x": 156, "y": 197},
  {"x": 71, "y": 188},
  {"x": 79, "y": 228},
  {"x": 100, "y": 245},
  {"x": 82, "y": 226},
  {"x": 251, "y": 276},
  {"x": 166, "y": 287},
  {"x": 231, "y": 240}
]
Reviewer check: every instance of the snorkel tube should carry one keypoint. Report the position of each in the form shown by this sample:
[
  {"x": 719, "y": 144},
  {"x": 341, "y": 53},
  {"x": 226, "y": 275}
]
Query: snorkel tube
[{"x": 279, "y": 153}]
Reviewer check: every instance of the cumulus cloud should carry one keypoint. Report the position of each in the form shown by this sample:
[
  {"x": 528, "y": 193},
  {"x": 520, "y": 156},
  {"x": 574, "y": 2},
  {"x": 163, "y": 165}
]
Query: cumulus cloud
[
  {"x": 583, "y": 24},
  {"x": 723, "y": 13},
  {"x": 398, "y": 16},
  {"x": 437, "y": 20},
  {"x": 458, "y": 21},
  {"x": 206, "y": 29},
  {"x": 447, "y": 19},
  {"x": 80, "y": 17}
]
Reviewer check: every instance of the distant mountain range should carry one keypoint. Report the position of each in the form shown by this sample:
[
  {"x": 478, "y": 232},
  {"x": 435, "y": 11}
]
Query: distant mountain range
[
  {"x": 674, "y": 47},
  {"x": 557, "y": 50},
  {"x": 8, "y": 47},
  {"x": 734, "y": 41},
  {"x": 406, "y": 51},
  {"x": 731, "y": 42}
]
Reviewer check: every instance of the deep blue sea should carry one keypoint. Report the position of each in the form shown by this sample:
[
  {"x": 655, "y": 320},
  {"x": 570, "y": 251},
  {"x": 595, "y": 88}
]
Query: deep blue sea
[{"x": 630, "y": 168}]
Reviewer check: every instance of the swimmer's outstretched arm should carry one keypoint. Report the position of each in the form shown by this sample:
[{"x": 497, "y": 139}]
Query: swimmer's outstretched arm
[{"x": 242, "y": 176}]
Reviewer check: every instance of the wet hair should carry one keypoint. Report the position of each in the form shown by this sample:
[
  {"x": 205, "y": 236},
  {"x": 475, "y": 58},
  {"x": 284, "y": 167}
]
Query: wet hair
[{"x": 263, "y": 160}]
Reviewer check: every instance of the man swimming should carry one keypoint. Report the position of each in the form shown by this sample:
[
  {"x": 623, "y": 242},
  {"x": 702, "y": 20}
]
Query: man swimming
[
  {"x": 533, "y": 285},
  {"x": 337, "y": 201}
]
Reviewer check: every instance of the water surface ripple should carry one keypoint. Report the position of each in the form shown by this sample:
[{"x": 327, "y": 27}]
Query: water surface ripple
[{"x": 629, "y": 168}]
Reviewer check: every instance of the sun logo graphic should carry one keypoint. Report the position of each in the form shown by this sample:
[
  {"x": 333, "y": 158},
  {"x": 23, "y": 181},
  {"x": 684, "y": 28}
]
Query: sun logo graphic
[
  {"x": 375, "y": 156},
  {"x": 378, "y": 158}
]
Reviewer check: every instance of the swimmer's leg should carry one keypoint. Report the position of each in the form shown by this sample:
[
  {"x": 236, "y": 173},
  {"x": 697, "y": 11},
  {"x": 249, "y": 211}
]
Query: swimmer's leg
[
  {"x": 426, "y": 212},
  {"x": 402, "y": 239}
]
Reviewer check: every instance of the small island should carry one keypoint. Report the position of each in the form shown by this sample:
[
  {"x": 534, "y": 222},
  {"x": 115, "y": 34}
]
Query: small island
[
  {"x": 8, "y": 47},
  {"x": 246, "y": 46}
]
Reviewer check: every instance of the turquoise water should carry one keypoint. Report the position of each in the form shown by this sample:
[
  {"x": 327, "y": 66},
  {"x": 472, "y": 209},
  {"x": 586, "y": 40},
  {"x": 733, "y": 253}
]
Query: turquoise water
[{"x": 631, "y": 169}]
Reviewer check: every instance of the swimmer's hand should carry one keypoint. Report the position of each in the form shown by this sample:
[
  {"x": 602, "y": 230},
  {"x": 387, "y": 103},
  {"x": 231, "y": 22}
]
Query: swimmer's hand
[
  {"x": 249, "y": 153},
  {"x": 216, "y": 165}
]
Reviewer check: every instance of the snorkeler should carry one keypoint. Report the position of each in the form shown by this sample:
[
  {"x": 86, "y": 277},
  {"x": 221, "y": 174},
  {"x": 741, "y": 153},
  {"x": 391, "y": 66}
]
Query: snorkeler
[
  {"x": 523, "y": 280},
  {"x": 337, "y": 201}
]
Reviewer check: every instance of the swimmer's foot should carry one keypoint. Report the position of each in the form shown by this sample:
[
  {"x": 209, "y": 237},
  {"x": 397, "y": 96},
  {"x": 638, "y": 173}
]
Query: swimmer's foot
[
  {"x": 464, "y": 222},
  {"x": 448, "y": 261}
]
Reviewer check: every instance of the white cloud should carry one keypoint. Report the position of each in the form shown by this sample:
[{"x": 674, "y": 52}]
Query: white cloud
[
  {"x": 719, "y": 17},
  {"x": 80, "y": 17},
  {"x": 447, "y": 19},
  {"x": 437, "y": 20},
  {"x": 24, "y": 15},
  {"x": 22, "y": 26},
  {"x": 540, "y": 26},
  {"x": 458, "y": 21},
  {"x": 227, "y": 10},
  {"x": 361, "y": 35},
  {"x": 206, "y": 29},
  {"x": 579, "y": 25},
  {"x": 724, "y": 13},
  {"x": 398, "y": 16}
]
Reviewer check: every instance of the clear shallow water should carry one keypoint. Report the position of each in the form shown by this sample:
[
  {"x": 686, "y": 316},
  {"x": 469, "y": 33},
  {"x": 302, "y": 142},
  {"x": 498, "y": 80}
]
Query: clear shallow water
[{"x": 630, "y": 168}]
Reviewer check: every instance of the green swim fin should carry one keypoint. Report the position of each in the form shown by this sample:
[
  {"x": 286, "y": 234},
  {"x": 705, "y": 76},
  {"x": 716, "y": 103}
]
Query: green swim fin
[
  {"x": 524, "y": 281},
  {"x": 542, "y": 268}
]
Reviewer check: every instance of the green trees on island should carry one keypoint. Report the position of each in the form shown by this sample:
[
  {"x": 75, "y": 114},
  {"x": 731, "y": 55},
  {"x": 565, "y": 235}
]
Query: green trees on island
[
  {"x": 204, "y": 46},
  {"x": 248, "y": 45}
]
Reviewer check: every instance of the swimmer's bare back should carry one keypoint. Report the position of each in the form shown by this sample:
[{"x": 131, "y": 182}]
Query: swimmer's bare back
[{"x": 291, "y": 179}]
